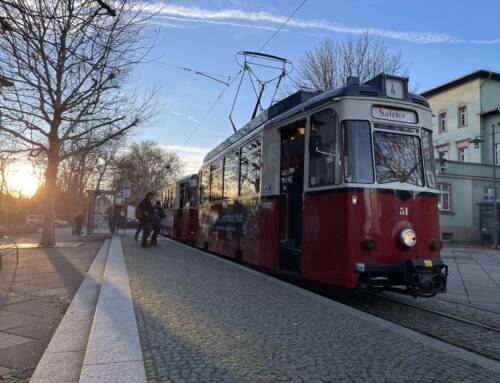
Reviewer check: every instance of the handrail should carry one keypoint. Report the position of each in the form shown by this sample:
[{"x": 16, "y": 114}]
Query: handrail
[{"x": 9, "y": 244}]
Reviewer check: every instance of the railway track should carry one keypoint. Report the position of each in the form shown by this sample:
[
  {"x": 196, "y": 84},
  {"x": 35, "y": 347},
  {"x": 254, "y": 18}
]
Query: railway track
[
  {"x": 463, "y": 326},
  {"x": 469, "y": 328}
]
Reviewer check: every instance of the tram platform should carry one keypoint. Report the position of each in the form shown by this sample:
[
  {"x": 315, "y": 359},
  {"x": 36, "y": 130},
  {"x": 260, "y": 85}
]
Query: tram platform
[{"x": 201, "y": 318}]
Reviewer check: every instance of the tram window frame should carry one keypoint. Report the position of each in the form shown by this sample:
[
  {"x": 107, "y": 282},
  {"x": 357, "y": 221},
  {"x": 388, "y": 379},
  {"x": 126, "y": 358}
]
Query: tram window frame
[
  {"x": 219, "y": 166},
  {"x": 234, "y": 176},
  {"x": 243, "y": 190},
  {"x": 428, "y": 158},
  {"x": 204, "y": 193},
  {"x": 370, "y": 166},
  {"x": 182, "y": 195},
  {"x": 321, "y": 157},
  {"x": 418, "y": 139}
]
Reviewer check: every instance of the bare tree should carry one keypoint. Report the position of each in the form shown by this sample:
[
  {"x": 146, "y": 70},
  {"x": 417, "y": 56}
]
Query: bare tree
[
  {"x": 70, "y": 62},
  {"x": 148, "y": 167},
  {"x": 328, "y": 65},
  {"x": 82, "y": 172}
]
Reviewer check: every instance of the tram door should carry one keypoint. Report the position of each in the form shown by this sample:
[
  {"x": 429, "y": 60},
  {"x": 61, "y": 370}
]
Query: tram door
[{"x": 291, "y": 203}]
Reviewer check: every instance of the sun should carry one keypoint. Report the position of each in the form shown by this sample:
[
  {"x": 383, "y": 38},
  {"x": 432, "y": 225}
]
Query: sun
[{"x": 21, "y": 180}]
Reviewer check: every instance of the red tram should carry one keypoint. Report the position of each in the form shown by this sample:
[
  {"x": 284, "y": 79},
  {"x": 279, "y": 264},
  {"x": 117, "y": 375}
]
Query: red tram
[
  {"x": 182, "y": 218},
  {"x": 337, "y": 187}
]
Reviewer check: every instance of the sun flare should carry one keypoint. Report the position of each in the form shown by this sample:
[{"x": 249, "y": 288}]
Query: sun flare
[{"x": 21, "y": 180}]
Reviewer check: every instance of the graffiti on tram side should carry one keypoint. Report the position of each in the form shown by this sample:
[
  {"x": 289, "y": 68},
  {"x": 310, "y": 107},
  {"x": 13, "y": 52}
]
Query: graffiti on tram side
[{"x": 236, "y": 219}]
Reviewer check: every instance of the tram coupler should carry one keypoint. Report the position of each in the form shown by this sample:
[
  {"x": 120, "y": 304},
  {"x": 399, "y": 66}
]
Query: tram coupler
[{"x": 425, "y": 277}]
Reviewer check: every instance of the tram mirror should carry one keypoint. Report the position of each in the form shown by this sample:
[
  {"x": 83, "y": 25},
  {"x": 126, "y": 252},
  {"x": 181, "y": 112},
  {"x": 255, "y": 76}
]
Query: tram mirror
[{"x": 314, "y": 146}]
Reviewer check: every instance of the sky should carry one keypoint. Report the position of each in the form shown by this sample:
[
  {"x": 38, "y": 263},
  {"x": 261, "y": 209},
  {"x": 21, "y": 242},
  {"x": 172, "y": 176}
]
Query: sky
[{"x": 439, "y": 41}]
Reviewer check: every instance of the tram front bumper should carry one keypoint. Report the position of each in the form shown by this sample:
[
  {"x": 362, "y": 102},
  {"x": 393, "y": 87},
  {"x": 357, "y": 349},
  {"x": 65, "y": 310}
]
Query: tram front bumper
[{"x": 416, "y": 277}]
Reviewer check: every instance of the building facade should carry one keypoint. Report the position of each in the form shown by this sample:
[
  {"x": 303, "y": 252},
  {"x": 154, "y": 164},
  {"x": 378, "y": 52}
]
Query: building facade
[{"x": 465, "y": 112}]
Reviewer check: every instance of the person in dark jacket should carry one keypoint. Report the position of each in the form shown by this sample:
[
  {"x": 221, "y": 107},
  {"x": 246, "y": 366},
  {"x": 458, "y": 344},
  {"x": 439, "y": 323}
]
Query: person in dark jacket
[
  {"x": 159, "y": 215},
  {"x": 78, "y": 223},
  {"x": 147, "y": 217}
]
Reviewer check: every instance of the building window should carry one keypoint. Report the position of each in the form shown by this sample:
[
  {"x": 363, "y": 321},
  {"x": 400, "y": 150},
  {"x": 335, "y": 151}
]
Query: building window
[
  {"x": 444, "y": 197},
  {"x": 488, "y": 194},
  {"x": 442, "y": 122},
  {"x": 463, "y": 154},
  {"x": 463, "y": 151},
  {"x": 462, "y": 116},
  {"x": 443, "y": 151},
  {"x": 497, "y": 154}
]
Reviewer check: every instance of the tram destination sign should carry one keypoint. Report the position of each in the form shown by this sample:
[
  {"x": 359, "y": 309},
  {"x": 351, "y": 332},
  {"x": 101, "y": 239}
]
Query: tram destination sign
[{"x": 391, "y": 114}]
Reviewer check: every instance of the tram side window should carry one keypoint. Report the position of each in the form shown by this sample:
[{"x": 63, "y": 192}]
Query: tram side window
[
  {"x": 323, "y": 137},
  {"x": 204, "y": 185},
  {"x": 182, "y": 195},
  {"x": 216, "y": 181},
  {"x": 231, "y": 174},
  {"x": 430, "y": 172},
  {"x": 250, "y": 168},
  {"x": 357, "y": 148},
  {"x": 193, "y": 186}
]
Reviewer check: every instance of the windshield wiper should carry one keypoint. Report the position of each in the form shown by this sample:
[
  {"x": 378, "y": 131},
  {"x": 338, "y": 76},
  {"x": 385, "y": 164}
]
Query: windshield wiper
[{"x": 405, "y": 178}]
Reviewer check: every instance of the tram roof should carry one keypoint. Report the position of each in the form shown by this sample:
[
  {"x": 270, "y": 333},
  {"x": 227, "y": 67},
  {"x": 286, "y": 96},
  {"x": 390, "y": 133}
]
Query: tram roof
[
  {"x": 303, "y": 101},
  {"x": 187, "y": 178}
]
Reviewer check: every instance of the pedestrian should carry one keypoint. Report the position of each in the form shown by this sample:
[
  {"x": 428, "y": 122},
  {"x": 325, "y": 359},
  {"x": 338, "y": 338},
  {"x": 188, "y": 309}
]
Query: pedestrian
[
  {"x": 78, "y": 223},
  {"x": 156, "y": 224},
  {"x": 147, "y": 217},
  {"x": 117, "y": 220}
]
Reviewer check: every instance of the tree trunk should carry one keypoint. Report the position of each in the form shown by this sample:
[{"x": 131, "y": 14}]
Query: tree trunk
[{"x": 48, "y": 235}]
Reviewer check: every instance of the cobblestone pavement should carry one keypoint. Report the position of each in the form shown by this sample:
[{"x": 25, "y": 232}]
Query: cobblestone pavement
[
  {"x": 474, "y": 277},
  {"x": 476, "y": 338},
  {"x": 34, "y": 295},
  {"x": 201, "y": 320}
]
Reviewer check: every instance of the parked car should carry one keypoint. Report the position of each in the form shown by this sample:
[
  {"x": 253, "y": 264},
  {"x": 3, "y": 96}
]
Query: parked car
[
  {"x": 36, "y": 219},
  {"x": 61, "y": 223}
]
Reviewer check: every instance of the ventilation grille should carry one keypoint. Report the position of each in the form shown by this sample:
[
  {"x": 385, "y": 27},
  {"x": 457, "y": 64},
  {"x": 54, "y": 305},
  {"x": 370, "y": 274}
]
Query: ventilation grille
[
  {"x": 370, "y": 93},
  {"x": 419, "y": 101}
]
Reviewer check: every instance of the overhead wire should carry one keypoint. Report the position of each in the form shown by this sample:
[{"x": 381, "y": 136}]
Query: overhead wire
[
  {"x": 205, "y": 116},
  {"x": 198, "y": 72},
  {"x": 212, "y": 107},
  {"x": 282, "y": 25}
]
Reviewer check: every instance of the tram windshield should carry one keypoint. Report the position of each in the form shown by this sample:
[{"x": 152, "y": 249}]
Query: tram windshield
[{"x": 398, "y": 158}]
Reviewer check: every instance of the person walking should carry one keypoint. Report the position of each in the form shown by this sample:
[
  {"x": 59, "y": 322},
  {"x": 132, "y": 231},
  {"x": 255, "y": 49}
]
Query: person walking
[
  {"x": 78, "y": 223},
  {"x": 159, "y": 215},
  {"x": 147, "y": 217}
]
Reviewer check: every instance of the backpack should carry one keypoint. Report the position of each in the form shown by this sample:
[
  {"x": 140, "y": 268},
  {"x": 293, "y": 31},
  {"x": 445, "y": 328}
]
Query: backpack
[{"x": 138, "y": 213}]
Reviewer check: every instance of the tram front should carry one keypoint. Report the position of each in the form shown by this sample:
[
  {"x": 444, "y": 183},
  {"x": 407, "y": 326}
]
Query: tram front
[{"x": 385, "y": 201}]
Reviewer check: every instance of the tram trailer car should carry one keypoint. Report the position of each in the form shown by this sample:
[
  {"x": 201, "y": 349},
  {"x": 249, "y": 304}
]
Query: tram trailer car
[
  {"x": 338, "y": 187},
  {"x": 181, "y": 220}
]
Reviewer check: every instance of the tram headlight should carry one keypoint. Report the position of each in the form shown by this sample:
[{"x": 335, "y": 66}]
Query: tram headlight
[{"x": 408, "y": 238}]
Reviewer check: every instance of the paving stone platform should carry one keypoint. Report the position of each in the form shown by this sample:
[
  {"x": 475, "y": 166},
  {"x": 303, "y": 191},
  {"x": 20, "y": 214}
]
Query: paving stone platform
[
  {"x": 34, "y": 295},
  {"x": 204, "y": 320},
  {"x": 474, "y": 277}
]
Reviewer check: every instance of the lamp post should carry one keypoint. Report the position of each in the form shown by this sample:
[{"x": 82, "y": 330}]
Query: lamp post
[{"x": 495, "y": 225}]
